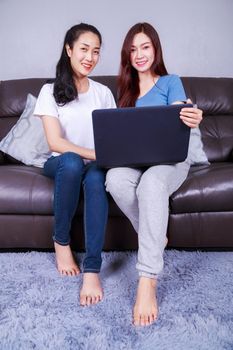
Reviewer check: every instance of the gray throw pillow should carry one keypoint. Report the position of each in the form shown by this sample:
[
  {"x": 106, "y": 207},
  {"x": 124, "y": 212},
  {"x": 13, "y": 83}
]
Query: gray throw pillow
[
  {"x": 196, "y": 153},
  {"x": 26, "y": 141}
]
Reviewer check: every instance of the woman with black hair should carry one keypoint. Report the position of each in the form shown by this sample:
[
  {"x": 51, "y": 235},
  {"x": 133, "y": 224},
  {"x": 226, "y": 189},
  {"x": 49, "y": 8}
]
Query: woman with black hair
[{"x": 66, "y": 110}]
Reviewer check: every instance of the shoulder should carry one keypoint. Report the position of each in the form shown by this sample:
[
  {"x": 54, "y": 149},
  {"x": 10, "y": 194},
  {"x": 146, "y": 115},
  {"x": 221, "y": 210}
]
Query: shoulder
[
  {"x": 170, "y": 82},
  {"x": 46, "y": 95},
  {"x": 47, "y": 89},
  {"x": 102, "y": 94},
  {"x": 101, "y": 88},
  {"x": 169, "y": 78},
  {"x": 174, "y": 88}
]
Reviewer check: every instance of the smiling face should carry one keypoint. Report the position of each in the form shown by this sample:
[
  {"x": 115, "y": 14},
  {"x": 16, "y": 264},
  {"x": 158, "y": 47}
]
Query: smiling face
[
  {"x": 142, "y": 53},
  {"x": 84, "y": 54}
]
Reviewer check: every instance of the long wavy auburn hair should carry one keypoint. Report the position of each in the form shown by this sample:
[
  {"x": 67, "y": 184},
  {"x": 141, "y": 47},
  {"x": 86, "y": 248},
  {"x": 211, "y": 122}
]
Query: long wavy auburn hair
[{"x": 128, "y": 81}]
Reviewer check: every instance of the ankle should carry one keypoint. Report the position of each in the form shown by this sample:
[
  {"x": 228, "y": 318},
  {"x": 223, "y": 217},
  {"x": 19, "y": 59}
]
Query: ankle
[
  {"x": 91, "y": 276},
  {"x": 59, "y": 246},
  {"x": 143, "y": 280}
]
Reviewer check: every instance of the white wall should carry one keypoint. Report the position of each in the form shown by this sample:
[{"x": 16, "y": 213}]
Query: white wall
[{"x": 197, "y": 36}]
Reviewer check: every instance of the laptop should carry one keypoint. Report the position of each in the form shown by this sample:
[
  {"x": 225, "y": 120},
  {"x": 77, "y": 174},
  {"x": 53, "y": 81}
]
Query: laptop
[{"x": 140, "y": 136}]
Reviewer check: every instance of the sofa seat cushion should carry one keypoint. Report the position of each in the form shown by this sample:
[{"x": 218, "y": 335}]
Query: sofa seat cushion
[
  {"x": 207, "y": 189},
  {"x": 24, "y": 190}
]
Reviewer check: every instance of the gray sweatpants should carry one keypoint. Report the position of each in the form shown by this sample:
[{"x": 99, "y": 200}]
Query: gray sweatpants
[{"x": 143, "y": 196}]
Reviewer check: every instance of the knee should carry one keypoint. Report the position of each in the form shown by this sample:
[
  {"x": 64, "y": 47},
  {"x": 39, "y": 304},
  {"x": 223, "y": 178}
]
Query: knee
[
  {"x": 116, "y": 181},
  {"x": 95, "y": 180},
  {"x": 150, "y": 183},
  {"x": 71, "y": 163},
  {"x": 111, "y": 180}
]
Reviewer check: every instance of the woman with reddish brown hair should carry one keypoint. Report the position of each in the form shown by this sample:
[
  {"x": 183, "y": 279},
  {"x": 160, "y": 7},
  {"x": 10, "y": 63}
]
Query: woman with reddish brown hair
[
  {"x": 143, "y": 194},
  {"x": 128, "y": 80}
]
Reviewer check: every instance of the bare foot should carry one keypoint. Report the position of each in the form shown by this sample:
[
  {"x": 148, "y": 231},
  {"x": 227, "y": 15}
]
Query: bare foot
[
  {"x": 91, "y": 291},
  {"x": 145, "y": 310},
  {"x": 66, "y": 264}
]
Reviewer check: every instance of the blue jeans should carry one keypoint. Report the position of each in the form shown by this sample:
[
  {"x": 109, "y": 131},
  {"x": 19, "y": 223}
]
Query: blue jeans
[{"x": 69, "y": 172}]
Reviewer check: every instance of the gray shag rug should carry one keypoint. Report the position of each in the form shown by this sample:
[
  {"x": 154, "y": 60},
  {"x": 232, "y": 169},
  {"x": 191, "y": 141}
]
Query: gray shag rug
[{"x": 40, "y": 310}]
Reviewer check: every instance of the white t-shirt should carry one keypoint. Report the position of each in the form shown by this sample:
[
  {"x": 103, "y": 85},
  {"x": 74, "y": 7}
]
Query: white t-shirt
[{"x": 75, "y": 117}]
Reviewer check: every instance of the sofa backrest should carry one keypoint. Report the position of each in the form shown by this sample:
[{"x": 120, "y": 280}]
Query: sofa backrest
[{"x": 213, "y": 95}]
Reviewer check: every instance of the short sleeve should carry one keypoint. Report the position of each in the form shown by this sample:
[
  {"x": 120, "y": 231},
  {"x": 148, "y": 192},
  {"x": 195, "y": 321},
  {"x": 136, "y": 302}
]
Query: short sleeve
[
  {"x": 46, "y": 104},
  {"x": 109, "y": 99},
  {"x": 175, "y": 90}
]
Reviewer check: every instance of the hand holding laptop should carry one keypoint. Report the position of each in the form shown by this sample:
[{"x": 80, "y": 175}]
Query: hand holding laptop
[{"x": 190, "y": 115}]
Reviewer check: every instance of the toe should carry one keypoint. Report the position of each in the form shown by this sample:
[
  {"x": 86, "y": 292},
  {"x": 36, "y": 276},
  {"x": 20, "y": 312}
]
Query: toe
[
  {"x": 153, "y": 317},
  {"x": 142, "y": 321},
  {"x": 95, "y": 300},
  {"x": 149, "y": 320},
  {"x": 100, "y": 298},
  {"x": 136, "y": 320},
  {"x": 73, "y": 273},
  {"x": 89, "y": 300},
  {"x": 77, "y": 271},
  {"x": 83, "y": 300}
]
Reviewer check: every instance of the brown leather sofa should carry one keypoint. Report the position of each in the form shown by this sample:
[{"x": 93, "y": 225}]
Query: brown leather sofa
[{"x": 201, "y": 211}]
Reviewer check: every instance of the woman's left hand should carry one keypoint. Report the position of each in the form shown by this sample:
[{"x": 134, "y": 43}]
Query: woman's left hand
[{"x": 191, "y": 116}]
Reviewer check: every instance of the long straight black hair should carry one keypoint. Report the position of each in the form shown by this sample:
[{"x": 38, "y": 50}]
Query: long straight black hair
[{"x": 64, "y": 86}]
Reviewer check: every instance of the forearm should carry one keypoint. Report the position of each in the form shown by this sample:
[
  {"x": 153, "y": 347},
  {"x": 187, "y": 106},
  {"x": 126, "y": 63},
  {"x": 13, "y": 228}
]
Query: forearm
[
  {"x": 59, "y": 144},
  {"x": 62, "y": 145}
]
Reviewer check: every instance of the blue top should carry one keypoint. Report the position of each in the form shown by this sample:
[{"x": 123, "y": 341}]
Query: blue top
[{"x": 167, "y": 90}]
